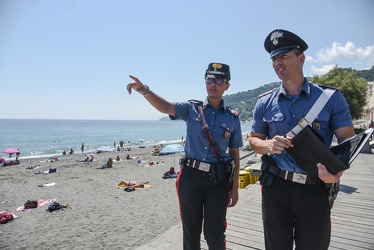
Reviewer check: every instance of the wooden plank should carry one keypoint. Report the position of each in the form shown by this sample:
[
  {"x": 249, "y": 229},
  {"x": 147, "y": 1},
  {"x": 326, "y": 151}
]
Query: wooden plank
[{"x": 352, "y": 216}]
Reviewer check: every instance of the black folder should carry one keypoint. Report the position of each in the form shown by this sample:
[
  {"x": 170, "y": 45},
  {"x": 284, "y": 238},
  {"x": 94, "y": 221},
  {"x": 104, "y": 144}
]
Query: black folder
[
  {"x": 310, "y": 149},
  {"x": 349, "y": 149}
]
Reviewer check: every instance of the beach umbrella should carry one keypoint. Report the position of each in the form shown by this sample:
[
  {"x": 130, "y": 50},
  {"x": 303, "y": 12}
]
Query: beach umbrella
[
  {"x": 171, "y": 149},
  {"x": 10, "y": 151}
]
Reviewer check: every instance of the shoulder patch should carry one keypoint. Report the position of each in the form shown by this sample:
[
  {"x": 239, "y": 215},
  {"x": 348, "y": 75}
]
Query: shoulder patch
[
  {"x": 267, "y": 92},
  {"x": 232, "y": 111},
  {"x": 327, "y": 87}
]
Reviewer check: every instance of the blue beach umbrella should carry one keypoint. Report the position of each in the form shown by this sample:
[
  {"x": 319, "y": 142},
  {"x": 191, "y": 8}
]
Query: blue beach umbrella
[{"x": 171, "y": 149}]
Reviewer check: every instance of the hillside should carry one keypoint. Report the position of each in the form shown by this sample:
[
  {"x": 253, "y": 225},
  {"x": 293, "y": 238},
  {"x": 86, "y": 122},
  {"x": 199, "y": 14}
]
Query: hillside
[{"x": 245, "y": 101}]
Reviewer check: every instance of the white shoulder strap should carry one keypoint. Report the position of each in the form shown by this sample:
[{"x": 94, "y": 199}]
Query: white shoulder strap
[{"x": 313, "y": 112}]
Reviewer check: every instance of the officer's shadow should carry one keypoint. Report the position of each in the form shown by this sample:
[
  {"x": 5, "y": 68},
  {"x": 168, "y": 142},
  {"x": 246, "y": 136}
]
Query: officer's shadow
[{"x": 347, "y": 189}]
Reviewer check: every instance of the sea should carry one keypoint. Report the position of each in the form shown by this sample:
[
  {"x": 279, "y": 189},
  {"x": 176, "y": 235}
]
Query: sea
[{"x": 36, "y": 138}]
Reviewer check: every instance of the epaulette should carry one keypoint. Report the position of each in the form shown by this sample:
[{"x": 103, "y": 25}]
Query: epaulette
[
  {"x": 232, "y": 111},
  {"x": 196, "y": 102},
  {"x": 327, "y": 87},
  {"x": 267, "y": 92}
]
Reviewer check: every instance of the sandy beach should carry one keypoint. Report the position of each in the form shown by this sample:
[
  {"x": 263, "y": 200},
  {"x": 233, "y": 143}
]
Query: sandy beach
[{"x": 100, "y": 216}]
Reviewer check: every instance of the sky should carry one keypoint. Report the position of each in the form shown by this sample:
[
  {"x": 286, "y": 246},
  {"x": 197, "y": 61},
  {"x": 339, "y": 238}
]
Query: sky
[{"x": 70, "y": 59}]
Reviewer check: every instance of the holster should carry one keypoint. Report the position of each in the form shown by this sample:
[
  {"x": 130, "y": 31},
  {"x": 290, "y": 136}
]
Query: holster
[
  {"x": 333, "y": 190},
  {"x": 182, "y": 160},
  {"x": 220, "y": 171},
  {"x": 266, "y": 177}
]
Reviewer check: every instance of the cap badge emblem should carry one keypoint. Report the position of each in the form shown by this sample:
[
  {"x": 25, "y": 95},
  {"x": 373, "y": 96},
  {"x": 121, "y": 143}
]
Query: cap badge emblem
[
  {"x": 275, "y": 35},
  {"x": 216, "y": 66}
]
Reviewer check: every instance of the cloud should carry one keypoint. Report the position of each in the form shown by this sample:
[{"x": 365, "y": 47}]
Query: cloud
[
  {"x": 322, "y": 70},
  {"x": 338, "y": 52},
  {"x": 349, "y": 50}
]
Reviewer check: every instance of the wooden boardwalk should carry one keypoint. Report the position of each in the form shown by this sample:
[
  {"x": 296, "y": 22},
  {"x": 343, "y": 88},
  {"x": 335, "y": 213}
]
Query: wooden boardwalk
[{"x": 352, "y": 216}]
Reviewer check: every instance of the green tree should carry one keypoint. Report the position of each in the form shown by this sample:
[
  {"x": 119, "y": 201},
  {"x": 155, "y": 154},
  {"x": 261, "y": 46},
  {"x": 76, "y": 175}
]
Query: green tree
[{"x": 352, "y": 87}]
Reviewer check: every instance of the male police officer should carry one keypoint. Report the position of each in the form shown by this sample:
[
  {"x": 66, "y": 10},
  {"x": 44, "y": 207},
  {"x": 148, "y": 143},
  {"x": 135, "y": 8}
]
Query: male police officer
[{"x": 294, "y": 213}]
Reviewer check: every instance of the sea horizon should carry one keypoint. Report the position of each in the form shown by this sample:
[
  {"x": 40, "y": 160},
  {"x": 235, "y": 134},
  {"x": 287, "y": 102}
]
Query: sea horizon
[{"x": 38, "y": 138}]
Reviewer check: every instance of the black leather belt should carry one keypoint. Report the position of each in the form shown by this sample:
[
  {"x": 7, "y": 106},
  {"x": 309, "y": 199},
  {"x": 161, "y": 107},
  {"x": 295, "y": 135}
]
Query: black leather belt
[{"x": 291, "y": 176}]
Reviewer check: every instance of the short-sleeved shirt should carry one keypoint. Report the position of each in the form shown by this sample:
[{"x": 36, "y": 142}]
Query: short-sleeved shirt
[
  {"x": 277, "y": 112},
  {"x": 223, "y": 125}
]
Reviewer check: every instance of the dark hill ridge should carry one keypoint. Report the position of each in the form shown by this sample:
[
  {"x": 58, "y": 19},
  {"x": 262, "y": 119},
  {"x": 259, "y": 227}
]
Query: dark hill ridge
[{"x": 245, "y": 101}]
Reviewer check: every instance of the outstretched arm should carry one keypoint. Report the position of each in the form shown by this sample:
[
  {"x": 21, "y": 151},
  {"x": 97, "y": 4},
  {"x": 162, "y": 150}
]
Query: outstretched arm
[{"x": 156, "y": 101}]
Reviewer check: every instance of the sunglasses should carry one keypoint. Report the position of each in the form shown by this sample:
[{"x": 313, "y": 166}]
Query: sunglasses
[{"x": 216, "y": 81}]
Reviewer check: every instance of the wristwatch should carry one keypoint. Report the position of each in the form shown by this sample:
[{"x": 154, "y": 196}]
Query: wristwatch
[{"x": 148, "y": 90}]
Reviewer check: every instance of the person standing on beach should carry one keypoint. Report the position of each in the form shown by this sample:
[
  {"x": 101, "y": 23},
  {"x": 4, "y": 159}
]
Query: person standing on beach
[
  {"x": 203, "y": 183},
  {"x": 294, "y": 213},
  {"x": 82, "y": 148}
]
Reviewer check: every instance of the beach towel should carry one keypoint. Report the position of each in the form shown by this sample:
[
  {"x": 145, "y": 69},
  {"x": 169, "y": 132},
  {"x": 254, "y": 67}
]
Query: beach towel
[
  {"x": 47, "y": 185},
  {"x": 40, "y": 171},
  {"x": 40, "y": 203}
]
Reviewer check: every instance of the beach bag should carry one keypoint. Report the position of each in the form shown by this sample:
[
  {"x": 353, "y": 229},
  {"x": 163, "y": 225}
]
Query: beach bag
[
  {"x": 5, "y": 217},
  {"x": 54, "y": 206},
  {"x": 52, "y": 170},
  {"x": 31, "y": 204}
]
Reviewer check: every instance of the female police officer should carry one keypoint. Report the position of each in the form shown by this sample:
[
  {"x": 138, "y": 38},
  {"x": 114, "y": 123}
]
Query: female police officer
[{"x": 203, "y": 186}]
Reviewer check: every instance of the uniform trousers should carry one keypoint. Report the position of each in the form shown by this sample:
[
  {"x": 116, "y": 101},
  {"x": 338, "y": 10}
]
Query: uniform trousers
[
  {"x": 297, "y": 214},
  {"x": 202, "y": 201}
]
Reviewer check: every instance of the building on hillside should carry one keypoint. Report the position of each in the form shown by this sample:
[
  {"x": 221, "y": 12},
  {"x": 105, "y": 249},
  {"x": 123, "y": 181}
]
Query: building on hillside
[{"x": 368, "y": 114}]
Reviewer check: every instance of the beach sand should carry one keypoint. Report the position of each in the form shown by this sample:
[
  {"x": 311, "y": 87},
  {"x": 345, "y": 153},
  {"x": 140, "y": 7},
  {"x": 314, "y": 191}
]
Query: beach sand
[{"x": 100, "y": 216}]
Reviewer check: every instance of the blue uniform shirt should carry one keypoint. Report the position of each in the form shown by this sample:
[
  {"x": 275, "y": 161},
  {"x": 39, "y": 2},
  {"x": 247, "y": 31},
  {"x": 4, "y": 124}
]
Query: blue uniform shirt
[
  {"x": 223, "y": 125},
  {"x": 277, "y": 112}
]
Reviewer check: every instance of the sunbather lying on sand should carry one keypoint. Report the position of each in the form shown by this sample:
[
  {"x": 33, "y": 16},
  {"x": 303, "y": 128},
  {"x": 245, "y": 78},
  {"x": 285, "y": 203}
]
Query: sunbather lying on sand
[
  {"x": 85, "y": 160},
  {"x": 155, "y": 162},
  {"x": 135, "y": 184},
  {"x": 33, "y": 167}
]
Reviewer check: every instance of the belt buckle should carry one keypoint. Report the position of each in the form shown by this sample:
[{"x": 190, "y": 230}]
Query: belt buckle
[
  {"x": 204, "y": 166},
  {"x": 299, "y": 178}
]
